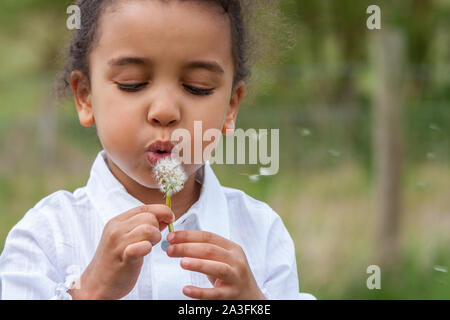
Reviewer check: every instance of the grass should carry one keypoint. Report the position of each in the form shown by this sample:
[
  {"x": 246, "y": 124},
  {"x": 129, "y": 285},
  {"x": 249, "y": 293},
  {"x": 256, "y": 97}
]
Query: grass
[{"x": 333, "y": 221}]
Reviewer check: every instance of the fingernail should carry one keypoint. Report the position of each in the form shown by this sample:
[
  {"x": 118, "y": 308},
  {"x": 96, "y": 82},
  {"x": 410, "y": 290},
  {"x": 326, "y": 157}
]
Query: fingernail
[
  {"x": 185, "y": 262},
  {"x": 170, "y": 236},
  {"x": 187, "y": 290}
]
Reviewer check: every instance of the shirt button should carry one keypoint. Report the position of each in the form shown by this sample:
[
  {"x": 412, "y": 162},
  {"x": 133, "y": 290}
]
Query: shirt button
[{"x": 164, "y": 245}]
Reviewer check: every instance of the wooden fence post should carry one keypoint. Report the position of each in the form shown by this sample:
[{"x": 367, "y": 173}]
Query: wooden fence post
[{"x": 388, "y": 58}]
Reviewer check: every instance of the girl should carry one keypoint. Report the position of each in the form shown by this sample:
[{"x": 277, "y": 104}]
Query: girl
[{"x": 139, "y": 70}]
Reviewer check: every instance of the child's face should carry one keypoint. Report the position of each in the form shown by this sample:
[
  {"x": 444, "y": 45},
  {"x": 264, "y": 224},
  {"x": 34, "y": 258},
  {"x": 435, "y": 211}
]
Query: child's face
[{"x": 146, "y": 47}]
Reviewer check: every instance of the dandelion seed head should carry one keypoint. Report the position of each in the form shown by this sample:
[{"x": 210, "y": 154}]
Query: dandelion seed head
[{"x": 170, "y": 175}]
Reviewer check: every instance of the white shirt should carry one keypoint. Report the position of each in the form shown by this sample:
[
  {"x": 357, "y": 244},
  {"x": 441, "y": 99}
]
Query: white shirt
[{"x": 56, "y": 239}]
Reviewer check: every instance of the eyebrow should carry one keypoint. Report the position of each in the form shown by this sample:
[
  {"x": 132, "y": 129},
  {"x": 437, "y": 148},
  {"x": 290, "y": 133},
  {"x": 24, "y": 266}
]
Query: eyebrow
[
  {"x": 122, "y": 61},
  {"x": 207, "y": 65}
]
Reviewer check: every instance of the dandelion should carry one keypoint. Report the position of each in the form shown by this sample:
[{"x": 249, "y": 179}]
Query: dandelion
[{"x": 171, "y": 179}]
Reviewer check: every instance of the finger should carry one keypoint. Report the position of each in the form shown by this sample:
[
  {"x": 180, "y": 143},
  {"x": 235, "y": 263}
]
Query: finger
[
  {"x": 139, "y": 219},
  {"x": 200, "y": 251},
  {"x": 212, "y": 280},
  {"x": 136, "y": 250},
  {"x": 199, "y": 236},
  {"x": 143, "y": 232},
  {"x": 215, "y": 269},
  {"x": 205, "y": 293},
  {"x": 162, "y": 212}
]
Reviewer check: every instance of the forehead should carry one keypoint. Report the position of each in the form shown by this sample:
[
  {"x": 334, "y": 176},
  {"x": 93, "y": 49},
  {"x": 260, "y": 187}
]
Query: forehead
[{"x": 168, "y": 31}]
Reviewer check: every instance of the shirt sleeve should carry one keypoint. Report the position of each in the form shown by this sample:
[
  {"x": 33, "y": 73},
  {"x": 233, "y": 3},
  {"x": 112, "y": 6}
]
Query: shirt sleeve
[
  {"x": 26, "y": 267},
  {"x": 281, "y": 278}
]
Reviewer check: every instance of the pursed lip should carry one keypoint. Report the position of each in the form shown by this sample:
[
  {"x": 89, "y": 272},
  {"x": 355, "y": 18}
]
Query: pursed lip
[
  {"x": 161, "y": 146},
  {"x": 158, "y": 150}
]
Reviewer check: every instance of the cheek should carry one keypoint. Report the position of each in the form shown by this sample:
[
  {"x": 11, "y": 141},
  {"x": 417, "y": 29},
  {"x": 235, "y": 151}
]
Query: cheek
[
  {"x": 211, "y": 114},
  {"x": 207, "y": 118},
  {"x": 116, "y": 136},
  {"x": 199, "y": 140},
  {"x": 115, "y": 124}
]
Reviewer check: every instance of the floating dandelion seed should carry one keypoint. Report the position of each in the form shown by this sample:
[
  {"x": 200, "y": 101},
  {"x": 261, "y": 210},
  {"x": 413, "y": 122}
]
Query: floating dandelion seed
[
  {"x": 171, "y": 178},
  {"x": 334, "y": 153},
  {"x": 264, "y": 171},
  {"x": 431, "y": 156},
  {"x": 304, "y": 132},
  {"x": 440, "y": 268},
  {"x": 434, "y": 126},
  {"x": 421, "y": 185},
  {"x": 252, "y": 177}
]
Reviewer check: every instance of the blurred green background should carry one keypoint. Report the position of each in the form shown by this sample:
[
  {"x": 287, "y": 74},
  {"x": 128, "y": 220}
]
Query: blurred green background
[{"x": 322, "y": 95}]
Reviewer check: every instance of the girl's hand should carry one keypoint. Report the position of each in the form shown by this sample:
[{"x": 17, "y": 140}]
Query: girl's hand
[
  {"x": 126, "y": 239},
  {"x": 223, "y": 261}
]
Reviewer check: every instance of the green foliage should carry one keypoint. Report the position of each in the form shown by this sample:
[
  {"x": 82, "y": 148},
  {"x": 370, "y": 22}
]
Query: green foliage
[
  {"x": 319, "y": 96},
  {"x": 409, "y": 279}
]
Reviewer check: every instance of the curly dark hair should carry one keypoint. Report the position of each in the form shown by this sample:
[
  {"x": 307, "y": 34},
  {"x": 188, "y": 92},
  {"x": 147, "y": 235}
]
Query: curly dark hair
[{"x": 245, "y": 37}]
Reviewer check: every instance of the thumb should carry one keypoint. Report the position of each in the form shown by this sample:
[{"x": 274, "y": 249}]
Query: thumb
[{"x": 134, "y": 252}]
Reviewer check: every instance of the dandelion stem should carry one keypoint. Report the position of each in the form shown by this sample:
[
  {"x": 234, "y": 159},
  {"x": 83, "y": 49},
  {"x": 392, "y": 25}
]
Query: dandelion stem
[
  {"x": 171, "y": 178},
  {"x": 169, "y": 204}
]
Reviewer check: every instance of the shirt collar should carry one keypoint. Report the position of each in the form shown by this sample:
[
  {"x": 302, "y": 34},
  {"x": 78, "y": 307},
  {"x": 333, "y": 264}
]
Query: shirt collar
[{"x": 110, "y": 198}]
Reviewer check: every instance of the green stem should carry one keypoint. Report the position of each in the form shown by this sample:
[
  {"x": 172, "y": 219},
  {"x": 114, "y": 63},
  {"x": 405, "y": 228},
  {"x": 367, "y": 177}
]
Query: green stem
[{"x": 169, "y": 204}]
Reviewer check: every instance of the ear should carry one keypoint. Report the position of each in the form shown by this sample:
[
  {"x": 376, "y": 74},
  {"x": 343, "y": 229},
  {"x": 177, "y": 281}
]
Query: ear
[
  {"x": 82, "y": 93},
  {"x": 233, "y": 108}
]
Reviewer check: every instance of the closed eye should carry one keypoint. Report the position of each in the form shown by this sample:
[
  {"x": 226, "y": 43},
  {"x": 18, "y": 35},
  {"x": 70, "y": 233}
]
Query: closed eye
[
  {"x": 138, "y": 86},
  {"x": 198, "y": 91},
  {"x": 131, "y": 87}
]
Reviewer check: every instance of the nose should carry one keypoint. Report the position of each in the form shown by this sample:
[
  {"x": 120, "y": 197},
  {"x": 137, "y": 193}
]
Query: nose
[{"x": 164, "y": 111}]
